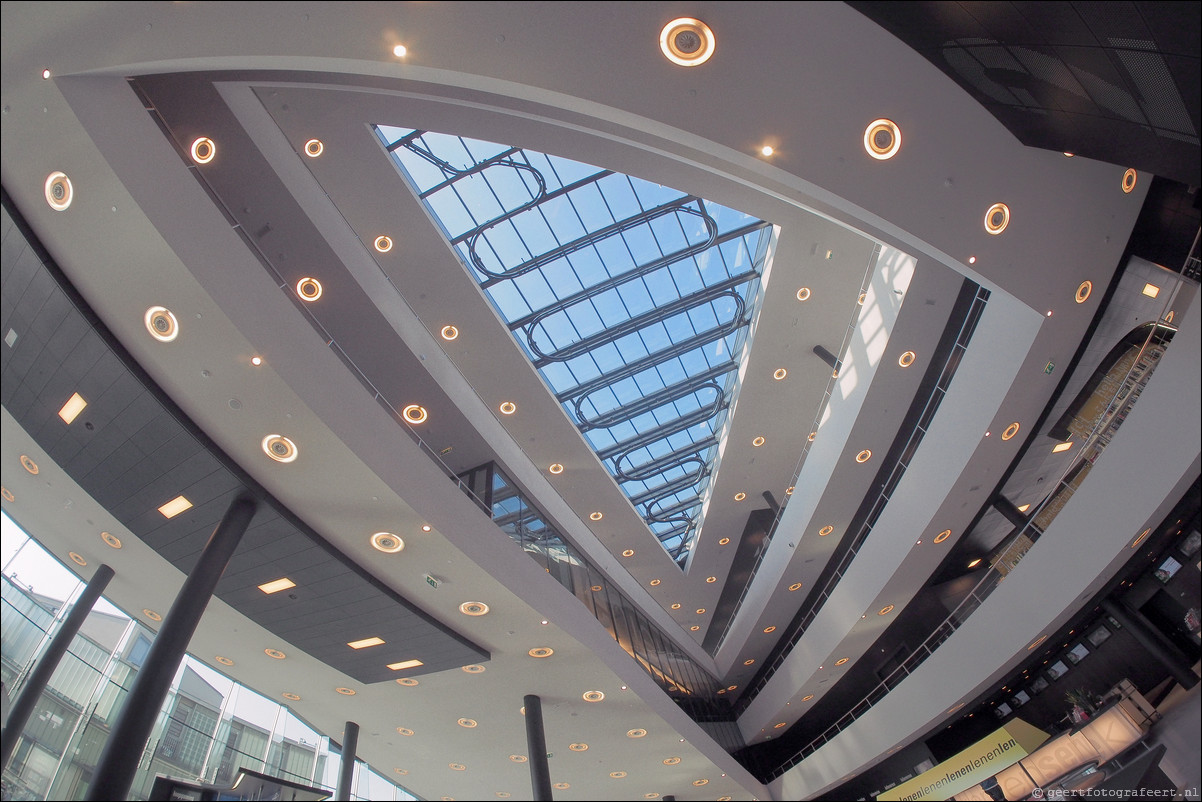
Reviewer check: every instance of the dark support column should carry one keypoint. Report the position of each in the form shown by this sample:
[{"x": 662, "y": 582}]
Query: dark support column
[
  {"x": 536, "y": 745},
  {"x": 119, "y": 761},
  {"x": 771, "y": 499},
  {"x": 31, "y": 692},
  {"x": 1153, "y": 640},
  {"x": 1006, "y": 507},
  {"x": 827, "y": 357},
  {"x": 346, "y": 774}
]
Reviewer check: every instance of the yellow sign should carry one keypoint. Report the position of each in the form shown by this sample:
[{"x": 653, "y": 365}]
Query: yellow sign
[{"x": 982, "y": 760}]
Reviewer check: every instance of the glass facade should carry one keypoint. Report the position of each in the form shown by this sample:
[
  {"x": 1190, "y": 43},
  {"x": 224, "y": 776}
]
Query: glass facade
[
  {"x": 209, "y": 726},
  {"x": 634, "y": 302}
]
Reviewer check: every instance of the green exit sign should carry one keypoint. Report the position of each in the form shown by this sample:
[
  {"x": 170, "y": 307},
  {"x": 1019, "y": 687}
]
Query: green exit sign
[{"x": 1048, "y": 368}]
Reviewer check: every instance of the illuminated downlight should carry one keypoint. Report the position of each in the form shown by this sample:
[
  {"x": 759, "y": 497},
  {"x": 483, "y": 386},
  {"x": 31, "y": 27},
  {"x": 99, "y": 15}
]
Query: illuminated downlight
[
  {"x": 383, "y": 244},
  {"x": 59, "y": 191},
  {"x": 7, "y": 494},
  {"x": 366, "y": 643},
  {"x": 345, "y": 691},
  {"x": 795, "y": 586},
  {"x": 803, "y": 294},
  {"x": 654, "y": 582},
  {"x": 161, "y": 324},
  {"x": 617, "y": 775},
  {"x": 1142, "y": 537},
  {"x": 276, "y": 585},
  {"x": 404, "y": 664},
  {"x": 203, "y": 150},
  {"x": 701, "y": 782},
  {"x": 595, "y": 516},
  {"x": 1129, "y": 179},
  {"x": 1083, "y": 291},
  {"x": 757, "y": 442},
  {"x": 1011, "y": 430},
  {"x": 780, "y": 724},
  {"x": 175, "y": 506},
  {"x": 291, "y": 697},
  {"x": 29, "y": 465},
  {"x": 687, "y": 42},
  {"x": 882, "y": 139},
  {"x": 740, "y": 496},
  {"x": 676, "y": 606},
  {"x": 414, "y": 413},
  {"x": 700, "y": 611},
  {"x": 279, "y": 448},
  {"x": 475, "y": 668},
  {"x": 457, "y": 767},
  {"x": 711, "y": 579},
  {"x": 841, "y": 661},
  {"x": 449, "y": 333},
  {"x": 400, "y": 51},
  {"x": 864, "y": 456},
  {"x": 508, "y": 408},
  {"x": 628, "y": 553},
  {"x": 671, "y": 761},
  {"x": 555, "y": 468},
  {"x": 1151, "y": 290},
  {"x": 541, "y": 651},
  {"x": 636, "y": 733},
  {"x": 779, "y": 374},
  {"x": 906, "y": 359},
  {"x": 408, "y": 733},
  {"x": 225, "y": 661},
  {"x": 593, "y": 696},
  {"x": 723, "y": 541},
  {"x": 1060, "y": 448},
  {"x": 467, "y": 723},
  {"x": 518, "y": 758},
  {"x": 812, "y": 436},
  {"x": 826, "y": 530},
  {"x": 749, "y": 661},
  {"x": 1036, "y": 642},
  {"x": 888, "y": 608},
  {"x": 942, "y": 536},
  {"x": 309, "y": 289},
  {"x": 152, "y": 615},
  {"x": 275, "y": 654},
  {"x": 767, "y": 150},
  {"x": 562, "y": 786},
  {"x": 387, "y": 542},
  {"x": 78, "y": 560},
  {"x": 408, "y": 682},
  {"x": 473, "y": 608},
  {"x": 997, "y": 218},
  {"x": 807, "y": 697},
  {"x": 314, "y": 148}
]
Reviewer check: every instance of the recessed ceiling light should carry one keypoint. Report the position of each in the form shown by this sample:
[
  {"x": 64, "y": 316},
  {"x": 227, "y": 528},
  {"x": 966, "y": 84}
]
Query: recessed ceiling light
[
  {"x": 449, "y": 333},
  {"x": 279, "y": 448},
  {"x": 365, "y": 643},
  {"x": 780, "y": 724},
  {"x": 789, "y": 490},
  {"x": 59, "y": 191},
  {"x": 541, "y": 651},
  {"x": 768, "y": 630},
  {"x": 757, "y": 442},
  {"x": 617, "y": 775},
  {"x": 518, "y": 758},
  {"x": 636, "y": 733},
  {"x": 474, "y": 608},
  {"x": 275, "y": 654},
  {"x": 593, "y": 696},
  {"x": 555, "y": 468},
  {"x": 595, "y": 516},
  {"x": 888, "y": 608},
  {"x": 807, "y": 697},
  {"x": 864, "y": 456},
  {"x": 400, "y": 51},
  {"x": 1141, "y": 538},
  {"x": 414, "y": 413},
  {"x": 508, "y": 408},
  {"x": 795, "y": 586},
  {"x": 654, "y": 582},
  {"x": 408, "y": 733},
  {"x": 175, "y": 506},
  {"x": 404, "y": 664},
  {"x": 383, "y": 243},
  {"x": 1083, "y": 291},
  {"x": 1036, "y": 642},
  {"x": 694, "y": 628},
  {"x": 408, "y": 682},
  {"x": 426, "y": 527},
  {"x": 1151, "y": 290},
  {"x": 474, "y": 668},
  {"x": 749, "y": 661},
  {"x": 803, "y": 294},
  {"x": 276, "y": 585},
  {"x": 700, "y": 611},
  {"x": 812, "y": 436},
  {"x": 841, "y": 661},
  {"x": 671, "y": 761},
  {"x": 997, "y": 217},
  {"x": 882, "y": 139},
  {"x": 467, "y": 723},
  {"x": 504, "y": 794},
  {"x": 974, "y": 563},
  {"x": 309, "y": 289},
  {"x": 1024, "y": 508},
  {"x": 942, "y": 536},
  {"x": 723, "y": 541},
  {"x": 1061, "y": 447},
  {"x": 628, "y": 553},
  {"x": 700, "y": 783},
  {"x": 161, "y": 324},
  {"x": 676, "y": 606},
  {"x": 8, "y": 494},
  {"x": 595, "y": 588},
  {"x": 45, "y": 74},
  {"x": 906, "y": 359},
  {"x": 767, "y": 150},
  {"x": 203, "y": 150},
  {"x": 291, "y": 697},
  {"x": 225, "y": 661},
  {"x": 562, "y": 786},
  {"x": 687, "y": 42},
  {"x": 711, "y": 579},
  {"x": 29, "y": 465},
  {"x": 860, "y": 301},
  {"x": 1129, "y": 179},
  {"x": 314, "y": 148},
  {"x": 77, "y": 559},
  {"x": 387, "y": 542},
  {"x": 740, "y": 496},
  {"x": 401, "y": 771},
  {"x": 972, "y": 260},
  {"x": 1011, "y": 430},
  {"x": 826, "y": 530},
  {"x": 256, "y": 361}
]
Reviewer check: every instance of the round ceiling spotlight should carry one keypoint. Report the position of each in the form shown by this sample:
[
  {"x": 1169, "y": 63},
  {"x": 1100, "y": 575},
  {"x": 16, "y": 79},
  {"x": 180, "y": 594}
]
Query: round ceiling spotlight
[
  {"x": 408, "y": 733},
  {"x": 757, "y": 442},
  {"x": 711, "y": 579},
  {"x": 473, "y": 608},
  {"x": 203, "y": 150},
  {"x": 541, "y": 651},
  {"x": 780, "y": 724},
  {"x": 882, "y": 139},
  {"x": 593, "y": 696},
  {"x": 807, "y": 697},
  {"x": 700, "y": 783},
  {"x": 779, "y": 374},
  {"x": 803, "y": 294},
  {"x": 111, "y": 539},
  {"x": 1129, "y": 179},
  {"x": 314, "y": 148},
  {"x": 676, "y": 606},
  {"x": 383, "y": 244},
  {"x": 518, "y": 758},
  {"x": 841, "y": 661},
  {"x": 628, "y": 553},
  {"x": 888, "y": 608},
  {"x": 309, "y": 289},
  {"x": 467, "y": 723},
  {"x": 387, "y": 542},
  {"x": 789, "y": 490},
  {"x": 414, "y": 413},
  {"x": 562, "y": 786},
  {"x": 769, "y": 630},
  {"x": 654, "y": 582},
  {"x": 555, "y": 468},
  {"x": 1083, "y": 291},
  {"x": 508, "y": 408},
  {"x": 1011, "y": 430},
  {"x": 58, "y": 191},
  {"x": 81, "y": 562},
  {"x": 346, "y": 691},
  {"x": 7, "y": 494},
  {"x": 449, "y": 333},
  {"x": 408, "y": 682},
  {"x": 275, "y": 654},
  {"x": 1141, "y": 538},
  {"x": 456, "y": 767},
  {"x": 942, "y": 536},
  {"x": 723, "y": 541},
  {"x": 291, "y": 697},
  {"x": 279, "y": 448},
  {"x": 700, "y": 611},
  {"x": 671, "y": 761},
  {"x": 475, "y": 668},
  {"x": 161, "y": 324},
  {"x": 687, "y": 42},
  {"x": 864, "y": 456},
  {"x": 997, "y": 217},
  {"x": 1036, "y": 642},
  {"x": 812, "y": 436},
  {"x": 595, "y": 516},
  {"x": 225, "y": 661},
  {"x": 826, "y": 530},
  {"x": 29, "y": 465},
  {"x": 794, "y": 586},
  {"x": 906, "y": 359},
  {"x": 749, "y": 661},
  {"x": 740, "y": 496}
]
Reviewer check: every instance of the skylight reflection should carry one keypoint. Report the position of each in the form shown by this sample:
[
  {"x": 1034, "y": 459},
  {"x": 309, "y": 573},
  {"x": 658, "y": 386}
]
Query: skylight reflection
[{"x": 631, "y": 299}]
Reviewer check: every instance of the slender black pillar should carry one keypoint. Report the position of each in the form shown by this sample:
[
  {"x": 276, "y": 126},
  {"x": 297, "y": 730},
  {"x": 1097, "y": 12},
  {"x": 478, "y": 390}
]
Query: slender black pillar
[
  {"x": 1153, "y": 640},
  {"x": 827, "y": 357},
  {"x": 346, "y": 773},
  {"x": 119, "y": 761},
  {"x": 771, "y": 499},
  {"x": 1006, "y": 507},
  {"x": 31, "y": 692},
  {"x": 536, "y": 745}
]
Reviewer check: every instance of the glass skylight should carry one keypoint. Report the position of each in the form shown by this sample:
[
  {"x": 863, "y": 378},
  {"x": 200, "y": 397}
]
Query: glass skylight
[{"x": 631, "y": 299}]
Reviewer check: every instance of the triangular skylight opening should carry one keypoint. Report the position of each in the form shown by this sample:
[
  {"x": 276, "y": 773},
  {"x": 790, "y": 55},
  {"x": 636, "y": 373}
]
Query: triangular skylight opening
[{"x": 631, "y": 299}]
